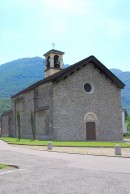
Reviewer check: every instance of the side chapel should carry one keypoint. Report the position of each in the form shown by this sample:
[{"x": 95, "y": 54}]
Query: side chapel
[{"x": 80, "y": 102}]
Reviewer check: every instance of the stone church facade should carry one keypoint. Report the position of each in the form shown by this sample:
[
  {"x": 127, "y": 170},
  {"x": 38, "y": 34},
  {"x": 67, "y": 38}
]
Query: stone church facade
[{"x": 81, "y": 102}]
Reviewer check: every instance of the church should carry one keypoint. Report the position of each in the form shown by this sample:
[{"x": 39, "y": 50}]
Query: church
[{"x": 81, "y": 102}]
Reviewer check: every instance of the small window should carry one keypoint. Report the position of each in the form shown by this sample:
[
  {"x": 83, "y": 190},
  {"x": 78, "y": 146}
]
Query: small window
[{"x": 87, "y": 87}]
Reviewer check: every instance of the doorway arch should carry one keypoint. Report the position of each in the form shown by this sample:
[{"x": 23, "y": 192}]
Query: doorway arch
[{"x": 90, "y": 120}]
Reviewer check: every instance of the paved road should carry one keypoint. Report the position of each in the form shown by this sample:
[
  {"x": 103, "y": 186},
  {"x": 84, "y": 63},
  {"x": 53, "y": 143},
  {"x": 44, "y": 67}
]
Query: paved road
[{"x": 43, "y": 172}]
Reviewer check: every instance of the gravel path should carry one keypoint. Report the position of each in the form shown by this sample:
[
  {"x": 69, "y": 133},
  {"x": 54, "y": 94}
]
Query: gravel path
[{"x": 81, "y": 150}]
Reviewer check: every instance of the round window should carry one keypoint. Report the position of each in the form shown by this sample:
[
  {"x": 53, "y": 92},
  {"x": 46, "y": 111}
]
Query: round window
[{"x": 87, "y": 87}]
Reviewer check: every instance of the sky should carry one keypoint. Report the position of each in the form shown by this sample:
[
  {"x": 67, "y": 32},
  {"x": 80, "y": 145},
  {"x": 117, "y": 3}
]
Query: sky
[{"x": 79, "y": 28}]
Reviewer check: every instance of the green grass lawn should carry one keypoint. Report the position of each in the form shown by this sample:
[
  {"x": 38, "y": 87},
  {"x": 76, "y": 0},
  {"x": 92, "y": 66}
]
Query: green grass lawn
[
  {"x": 65, "y": 143},
  {"x": 2, "y": 166}
]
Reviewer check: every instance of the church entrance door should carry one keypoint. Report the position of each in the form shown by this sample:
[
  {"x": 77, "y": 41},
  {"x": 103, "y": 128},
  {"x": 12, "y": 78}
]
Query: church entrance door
[{"x": 90, "y": 131}]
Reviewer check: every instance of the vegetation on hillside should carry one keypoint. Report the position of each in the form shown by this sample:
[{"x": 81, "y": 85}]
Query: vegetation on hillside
[
  {"x": 19, "y": 74},
  {"x": 5, "y": 105},
  {"x": 125, "y": 77}
]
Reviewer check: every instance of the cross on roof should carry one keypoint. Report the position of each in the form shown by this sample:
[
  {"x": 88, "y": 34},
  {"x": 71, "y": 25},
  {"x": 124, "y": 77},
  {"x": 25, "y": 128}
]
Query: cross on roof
[{"x": 53, "y": 44}]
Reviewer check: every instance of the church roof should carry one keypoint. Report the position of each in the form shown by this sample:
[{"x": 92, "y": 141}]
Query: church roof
[
  {"x": 63, "y": 74},
  {"x": 53, "y": 51},
  {"x": 6, "y": 112}
]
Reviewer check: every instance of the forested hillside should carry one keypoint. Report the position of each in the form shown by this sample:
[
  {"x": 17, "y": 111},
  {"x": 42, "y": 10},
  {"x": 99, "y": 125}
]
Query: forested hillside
[
  {"x": 18, "y": 74},
  {"x": 5, "y": 104},
  {"x": 125, "y": 77}
]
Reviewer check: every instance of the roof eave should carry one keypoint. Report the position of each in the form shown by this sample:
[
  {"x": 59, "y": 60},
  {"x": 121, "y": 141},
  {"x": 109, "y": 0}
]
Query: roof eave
[
  {"x": 97, "y": 64},
  {"x": 54, "y": 51}
]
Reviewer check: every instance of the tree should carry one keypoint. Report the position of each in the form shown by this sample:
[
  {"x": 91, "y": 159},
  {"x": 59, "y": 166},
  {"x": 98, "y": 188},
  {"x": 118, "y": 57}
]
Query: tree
[
  {"x": 18, "y": 125},
  {"x": 33, "y": 125},
  {"x": 128, "y": 122},
  {"x": 126, "y": 114}
]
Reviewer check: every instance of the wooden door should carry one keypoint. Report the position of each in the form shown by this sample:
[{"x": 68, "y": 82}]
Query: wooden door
[{"x": 90, "y": 131}]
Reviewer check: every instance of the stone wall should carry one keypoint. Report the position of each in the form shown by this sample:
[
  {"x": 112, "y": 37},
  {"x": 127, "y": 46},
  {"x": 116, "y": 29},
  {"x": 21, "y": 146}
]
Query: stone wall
[
  {"x": 6, "y": 124},
  {"x": 38, "y": 102},
  {"x": 71, "y": 103},
  {"x": 24, "y": 104},
  {"x": 62, "y": 109},
  {"x": 43, "y": 111}
]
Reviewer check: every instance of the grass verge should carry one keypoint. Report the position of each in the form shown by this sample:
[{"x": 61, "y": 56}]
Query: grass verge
[
  {"x": 66, "y": 143},
  {"x": 2, "y": 166}
]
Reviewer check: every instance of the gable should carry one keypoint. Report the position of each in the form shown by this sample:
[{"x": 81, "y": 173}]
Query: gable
[
  {"x": 89, "y": 75},
  {"x": 64, "y": 74},
  {"x": 96, "y": 65}
]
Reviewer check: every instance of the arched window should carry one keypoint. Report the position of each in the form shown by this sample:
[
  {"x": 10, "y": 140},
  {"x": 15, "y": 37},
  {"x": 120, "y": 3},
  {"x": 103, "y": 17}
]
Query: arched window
[
  {"x": 56, "y": 61},
  {"x": 48, "y": 62}
]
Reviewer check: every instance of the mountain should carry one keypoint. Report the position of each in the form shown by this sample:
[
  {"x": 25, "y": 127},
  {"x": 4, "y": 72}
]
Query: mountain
[
  {"x": 19, "y": 74},
  {"x": 125, "y": 77}
]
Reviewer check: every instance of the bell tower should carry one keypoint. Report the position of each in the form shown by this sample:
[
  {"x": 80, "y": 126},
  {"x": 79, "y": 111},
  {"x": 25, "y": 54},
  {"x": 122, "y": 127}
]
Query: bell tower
[{"x": 53, "y": 62}]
